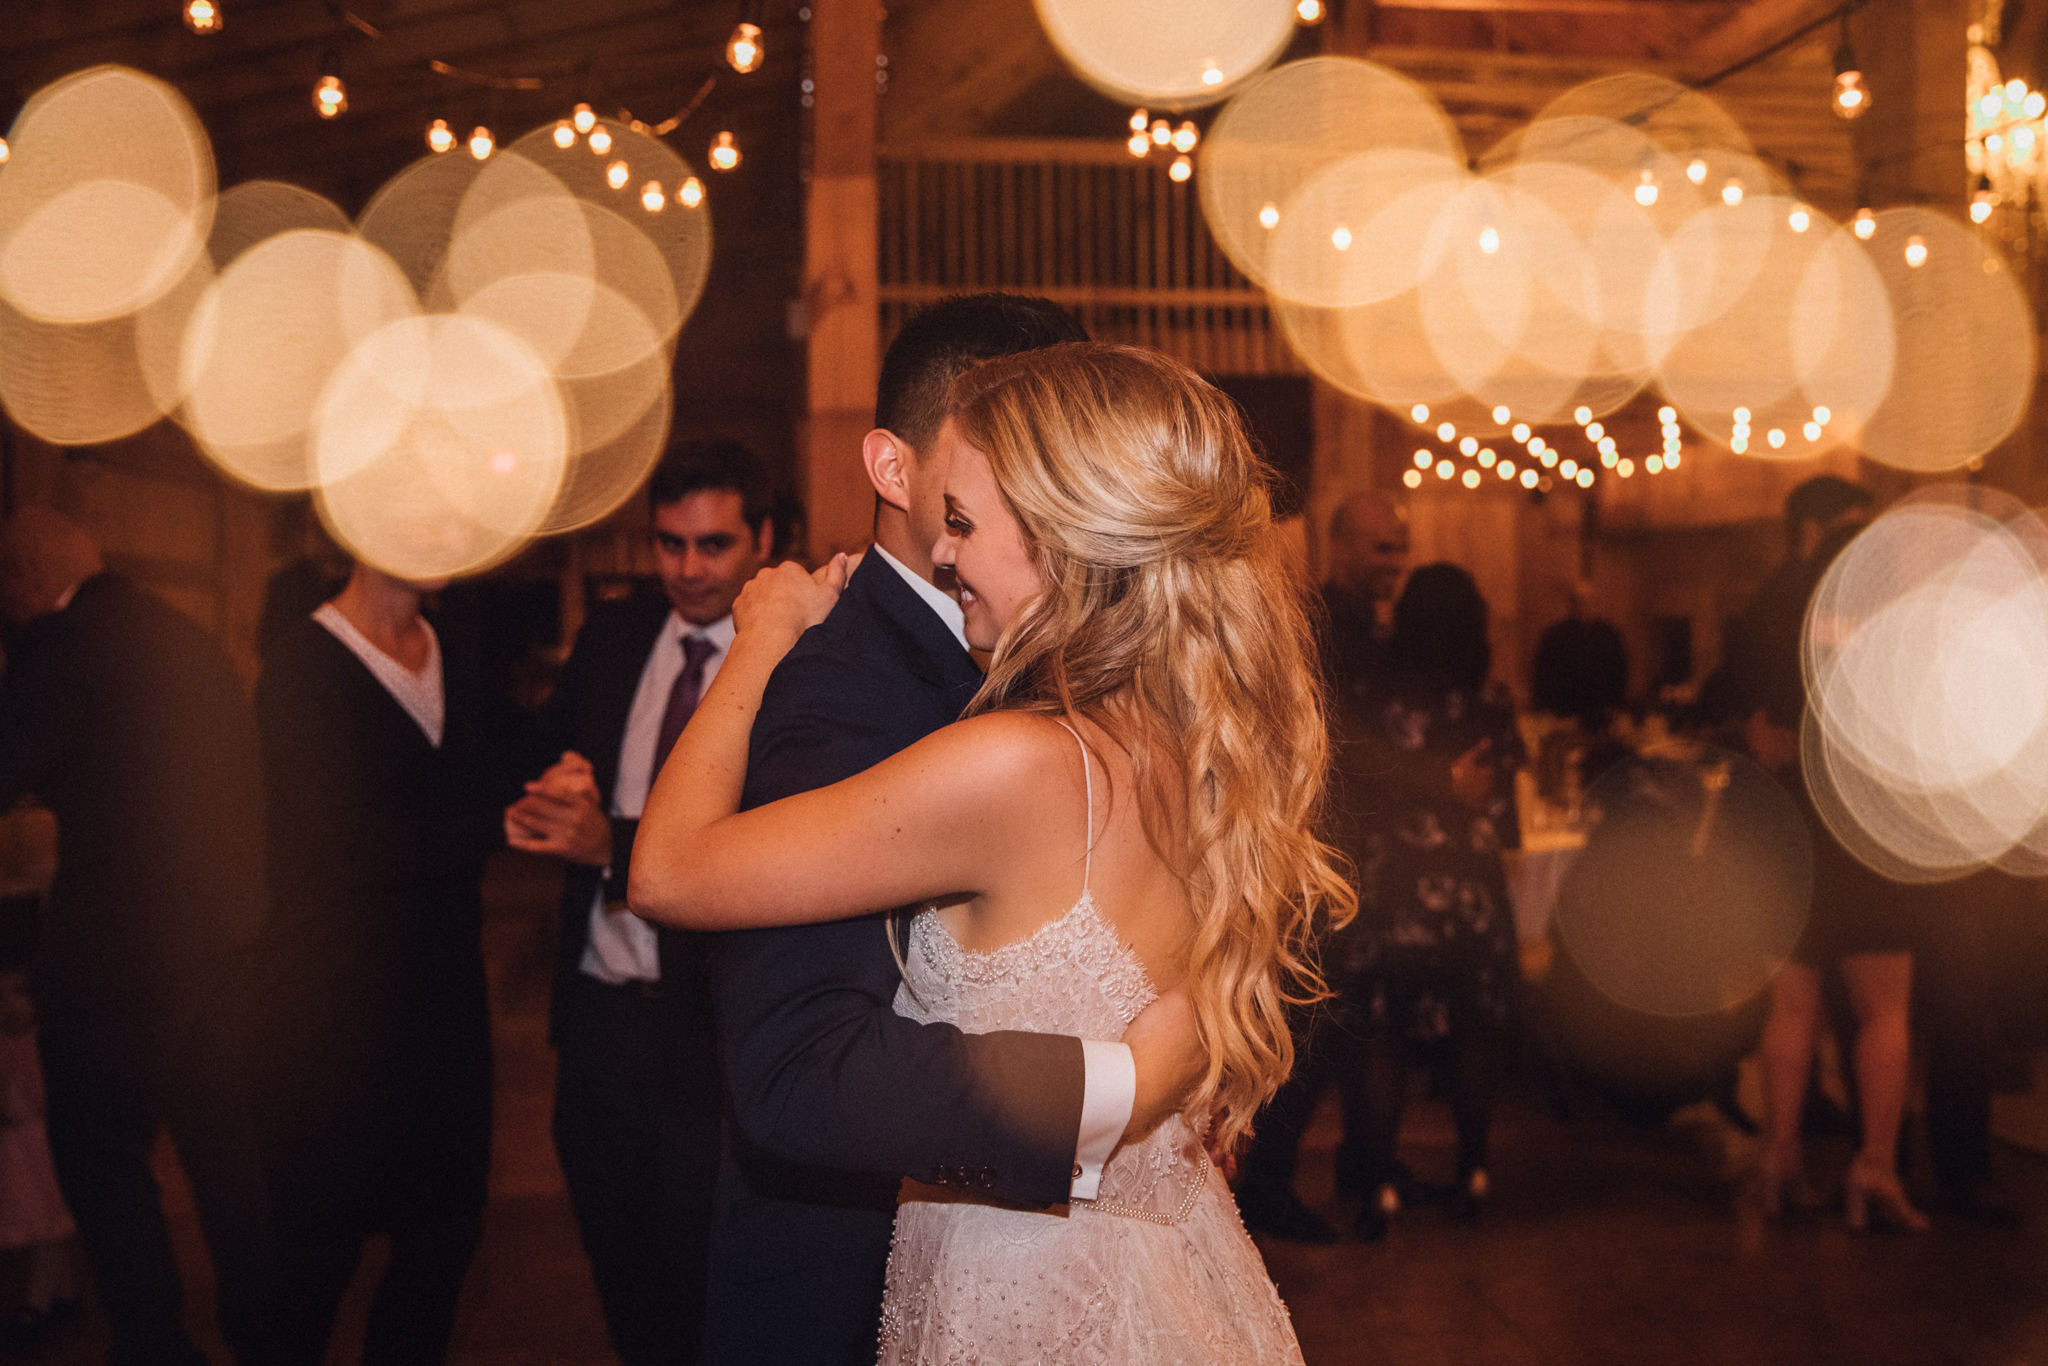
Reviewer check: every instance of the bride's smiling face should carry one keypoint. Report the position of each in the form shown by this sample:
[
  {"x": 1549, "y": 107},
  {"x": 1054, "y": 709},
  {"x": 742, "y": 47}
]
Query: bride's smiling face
[{"x": 983, "y": 542}]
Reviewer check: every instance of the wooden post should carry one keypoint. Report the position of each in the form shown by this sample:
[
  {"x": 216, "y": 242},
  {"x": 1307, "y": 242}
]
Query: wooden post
[{"x": 840, "y": 310}]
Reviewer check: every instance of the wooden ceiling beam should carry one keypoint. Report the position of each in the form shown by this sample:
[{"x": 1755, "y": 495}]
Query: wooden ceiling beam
[
  {"x": 1693, "y": 10},
  {"x": 1751, "y": 29}
]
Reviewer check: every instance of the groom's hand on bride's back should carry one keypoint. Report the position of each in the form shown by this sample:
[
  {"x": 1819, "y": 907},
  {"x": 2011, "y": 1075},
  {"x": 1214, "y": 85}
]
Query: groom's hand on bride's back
[{"x": 1166, "y": 1049}]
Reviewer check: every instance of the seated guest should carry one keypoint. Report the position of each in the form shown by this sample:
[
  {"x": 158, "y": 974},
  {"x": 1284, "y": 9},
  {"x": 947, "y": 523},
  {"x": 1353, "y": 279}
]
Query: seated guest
[{"x": 381, "y": 813}]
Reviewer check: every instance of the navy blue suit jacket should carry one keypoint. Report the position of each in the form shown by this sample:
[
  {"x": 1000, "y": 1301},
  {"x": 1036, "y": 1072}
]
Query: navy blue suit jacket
[{"x": 833, "y": 1096}]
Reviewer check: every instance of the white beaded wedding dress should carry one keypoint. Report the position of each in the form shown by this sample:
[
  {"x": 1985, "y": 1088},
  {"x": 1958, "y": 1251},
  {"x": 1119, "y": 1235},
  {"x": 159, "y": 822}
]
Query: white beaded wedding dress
[{"x": 1158, "y": 1269}]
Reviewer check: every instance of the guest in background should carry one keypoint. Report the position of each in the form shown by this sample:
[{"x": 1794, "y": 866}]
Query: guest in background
[
  {"x": 126, "y": 720},
  {"x": 313, "y": 570},
  {"x": 382, "y": 810},
  {"x": 33, "y": 1216},
  {"x": 1860, "y": 924},
  {"x": 1581, "y": 666},
  {"x": 637, "y": 1101},
  {"x": 1368, "y": 552},
  {"x": 1429, "y": 968}
]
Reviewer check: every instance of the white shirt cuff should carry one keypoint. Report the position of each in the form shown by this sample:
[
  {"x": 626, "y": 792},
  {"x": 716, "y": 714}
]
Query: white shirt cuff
[{"x": 1109, "y": 1088}]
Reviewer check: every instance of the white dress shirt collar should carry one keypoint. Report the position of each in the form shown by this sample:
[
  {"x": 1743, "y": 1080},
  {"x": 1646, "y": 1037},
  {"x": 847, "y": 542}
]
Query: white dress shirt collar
[{"x": 948, "y": 610}]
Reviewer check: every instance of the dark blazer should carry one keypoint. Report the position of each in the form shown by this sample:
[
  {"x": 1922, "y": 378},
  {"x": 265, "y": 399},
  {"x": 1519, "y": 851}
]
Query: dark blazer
[
  {"x": 833, "y": 1096},
  {"x": 587, "y": 713},
  {"x": 378, "y": 1025},
  {"x": 127, "y": 720}
]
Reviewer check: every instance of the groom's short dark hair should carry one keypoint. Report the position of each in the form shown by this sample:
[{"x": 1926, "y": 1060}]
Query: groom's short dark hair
[{"x": 943, "y": 339}]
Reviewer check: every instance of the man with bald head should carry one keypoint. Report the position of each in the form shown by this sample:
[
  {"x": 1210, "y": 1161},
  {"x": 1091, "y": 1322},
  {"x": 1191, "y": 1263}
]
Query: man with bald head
[{"x": 126, "y": 720}]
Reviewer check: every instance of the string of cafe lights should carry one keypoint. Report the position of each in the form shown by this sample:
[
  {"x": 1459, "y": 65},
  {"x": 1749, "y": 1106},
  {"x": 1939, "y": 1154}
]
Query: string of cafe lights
[
  {"x": 745, "y": 51},
  {"x": 1541, "y": 465}
]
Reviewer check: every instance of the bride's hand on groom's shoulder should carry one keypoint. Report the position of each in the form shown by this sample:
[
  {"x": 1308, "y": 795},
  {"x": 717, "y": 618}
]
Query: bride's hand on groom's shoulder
[{"x": 783, "y": 601}]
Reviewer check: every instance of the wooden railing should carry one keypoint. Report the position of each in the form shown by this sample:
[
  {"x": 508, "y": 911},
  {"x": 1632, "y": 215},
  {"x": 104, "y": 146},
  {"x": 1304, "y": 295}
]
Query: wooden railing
[{"x": 1113, "y": 238}]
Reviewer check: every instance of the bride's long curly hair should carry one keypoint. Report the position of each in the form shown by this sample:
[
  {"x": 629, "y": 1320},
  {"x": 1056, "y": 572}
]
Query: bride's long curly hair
[{"x": 1170, "y": 621}]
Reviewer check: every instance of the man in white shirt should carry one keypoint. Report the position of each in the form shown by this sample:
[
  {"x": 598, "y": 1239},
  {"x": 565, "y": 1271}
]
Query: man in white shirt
[{"x": 637, "y": 1098}]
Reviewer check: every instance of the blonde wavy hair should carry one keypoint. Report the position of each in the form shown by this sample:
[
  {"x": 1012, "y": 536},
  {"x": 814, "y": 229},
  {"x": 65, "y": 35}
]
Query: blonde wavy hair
[{"x": 1170, "y": 621}]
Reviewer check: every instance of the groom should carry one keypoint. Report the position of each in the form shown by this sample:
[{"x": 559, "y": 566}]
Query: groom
[{"x": 833, "y": 1096}]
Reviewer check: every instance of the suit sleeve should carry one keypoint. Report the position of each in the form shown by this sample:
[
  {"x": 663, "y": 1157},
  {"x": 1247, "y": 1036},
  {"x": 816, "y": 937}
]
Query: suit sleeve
[{"x": 821, "y": 1070}]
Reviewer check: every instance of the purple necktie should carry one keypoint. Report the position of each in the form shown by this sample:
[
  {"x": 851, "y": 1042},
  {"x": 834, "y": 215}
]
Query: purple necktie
[{"x": 682, "y": 697}]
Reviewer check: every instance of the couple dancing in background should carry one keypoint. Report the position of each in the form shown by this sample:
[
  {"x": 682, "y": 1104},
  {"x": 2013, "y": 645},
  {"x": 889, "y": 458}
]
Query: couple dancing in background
[{"x": 1127, "y": 806}]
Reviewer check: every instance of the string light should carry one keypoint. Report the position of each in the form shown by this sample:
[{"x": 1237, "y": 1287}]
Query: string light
[
  {"x": 1140, "y": 145},
  {"x": 1865, "y": 224},
  {"x": 1420, "y": 413},
  {"x": 1812, "y": 431},
  {"x": 565, "y": 134},
  {"x": 5, "y": 151},
  {"x": 1983, "y": 201},
  {"x": 1731, "y": 193},
  {"x": 1139, "y": 120},
  {"x": 1569, "y": 469},
  {"x": 725, "y": 153},
  {"x": 1470, "y": 479},
  {"x": 1489, "y": 240},
  {"x": 690, "y": 193},
  {"x": 1423, "y": 459},
  {"x": 1444, "y": 469},
  {"x": 1413, "y": 479},
  {"x": 1585, "y": 479},
  {"x": 1212, "y": 74},
  {"x": 1445, "y": 431},
  {"x": 1800, "y": 219},
  {"x": 1309, "y": 13},
  {"x": 1469, "y": 446},
  {"x": 583, "y": 118},
  {"x": 1625, "y": 467},
  {"x": 330, "y": 97},
  {"x": 1916, "y": 251},
  {"x": 203, "y": 16},
  {"x": 481, "y": 143},
  {"x": 1487, "y": 457},
  {"x": 440, "y": 137},
  {"x": 1341, "y": 238},
  {"x": 1505, "y": 469},
  {"x": 1162, "y": 132},
  {"x": 1646, "y": 189},
  {"x": 1696, "y": 170},
  {"x": 1656, "y": 466},
  {"x": 1520, "y": 432},
  {"x": 1594, "y": 431},
  {"x": 1528, "y": 479},
  {"x": 652, "y": 197},
  {"x": 743, "y": 51},
  {"x": 1501, "y": 413},
  {"x": 1851, "y": 96},
  {"x": 1186, "y": 136},
  {"x": 1182, "y": 168},
  {"x": 617, "y": 174},
  {"x": 600, "y": 141},
  {"x": 1582, "y": 414}
]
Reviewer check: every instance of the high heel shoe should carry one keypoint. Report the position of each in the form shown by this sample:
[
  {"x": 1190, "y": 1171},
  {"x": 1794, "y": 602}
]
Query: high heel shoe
[{"x": 1873, "y": 1196}]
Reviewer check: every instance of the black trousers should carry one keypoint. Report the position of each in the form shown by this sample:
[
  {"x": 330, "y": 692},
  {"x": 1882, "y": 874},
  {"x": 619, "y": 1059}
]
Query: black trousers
[
  {"x": 115, "y": 1079},
  {"x": 636, "y": 1126},
  {"x": 1327, "y": 1050}
]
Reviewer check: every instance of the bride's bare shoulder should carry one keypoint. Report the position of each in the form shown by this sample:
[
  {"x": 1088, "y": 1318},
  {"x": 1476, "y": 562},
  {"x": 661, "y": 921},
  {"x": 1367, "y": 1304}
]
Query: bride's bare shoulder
[{"x": 1007, "y": 747}]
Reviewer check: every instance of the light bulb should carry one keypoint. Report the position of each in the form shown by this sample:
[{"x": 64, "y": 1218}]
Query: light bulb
[
  {"x": 440, "y": 137},
  {"x": 690, "y": 193},
  {"x": 1520, "y": 431},
  {"x": 1182, "y": 168},
  {"x": 1646, "y": 190},
  {"x": 481, "y": 143},
  {"x": 600, "y": 141},
  {"x": 1341, "y": 238},
  {"x": 1916, "y": 251},
  {"x": 202, "y": 16},
  {"x": 1423, "y": 460},
  {"x": 1139, "y": 145},
  {"x": 1505, "y": 469},
  {"x": 725, "y": 153},
  {"x": 1980, "y": 207},
  {"x": 583, "y": 117},
  {"x": 1537, "y": 445},
  {"x": 1582, "y": 414},
  {"x": 2015, "y": 91},
  {"x": 1607, "y": 445},
  {"x": 1420, "y": 412},
  {"x": 2035, "y": 105},
  {"x": 1501, "y": 413},
  {"x": 1489, "y": 240},
  {"x": 1487, "y": 457},
  {"x": 743, "y": 50},
  {"x": 617, "y": 174},
  {"x": 330, "y": 97},
  {"x": 1656, "y": 466},
  {"x": 1667, "y": 414},
  {"x": 1468, "y": 446},
  {"x": 1309, "y": 12},
  {"x": 1731, "y": 193},
  {"x": 1186, "y": 136},
  {"x": 1444, "y": 469},
  {"x": 1800, "y": 219},
  {"x": 1212, "y": 74},
  {"x": 5, "y": 151},
  {"x": 1811, "y": 431},
  {"x": 1670, "y": 460},
  {"x": 1445, "y": 431},
  {"x": 1162, "y": 132},
  {"x": 1594, "y": 431},
  {"x": 1851, "y": 96},
  {"x": 1739, "y": 444},
  {"x": 1139, "y": 120},
  {"x": 652, "y": 197},
  {"x": 1625, "y": 467},
  {"x": 1470, "y": 479},
  {"x": 1865, "y": 224},
  {"x": 1696, "y": 170},
  {"x": 565, "y": 134},
  {"x": 1269, "y": 217},
  {"x": 1994, "y": 143},
  {"x": 1822, "y": 416},
  {"x": 1528, "y": 479},
  {"x": 1413, "y": 479},
  {"x": 1585, "y": 479},
  {"x": 1607, "y": 457},
  {"x": 1988, "y": 106},
  {"x": 1569, "y": 469}
]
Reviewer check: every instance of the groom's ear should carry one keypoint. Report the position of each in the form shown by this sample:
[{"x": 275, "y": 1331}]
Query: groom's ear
[{"x": 888, "y": 458}]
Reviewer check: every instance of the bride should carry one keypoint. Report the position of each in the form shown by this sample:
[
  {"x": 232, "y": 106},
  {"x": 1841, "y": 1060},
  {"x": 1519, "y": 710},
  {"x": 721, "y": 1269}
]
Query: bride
[{"x": 1129, "y": 806}]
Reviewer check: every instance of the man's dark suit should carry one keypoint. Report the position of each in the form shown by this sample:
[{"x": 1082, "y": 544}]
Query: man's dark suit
[
  {"x": 833, "y": 1096},
  {"x": 636, "y": 1097},
  {"x": 127, "y": 720}
]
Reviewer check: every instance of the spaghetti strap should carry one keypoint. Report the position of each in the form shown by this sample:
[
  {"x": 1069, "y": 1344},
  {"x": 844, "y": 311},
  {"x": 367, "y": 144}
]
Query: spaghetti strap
[{"x": 1088, "y": 784}]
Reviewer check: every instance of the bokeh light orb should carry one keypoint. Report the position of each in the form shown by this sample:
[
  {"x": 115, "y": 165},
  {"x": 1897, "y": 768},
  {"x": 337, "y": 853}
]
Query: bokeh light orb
[{"x": 1179, "y": 54}]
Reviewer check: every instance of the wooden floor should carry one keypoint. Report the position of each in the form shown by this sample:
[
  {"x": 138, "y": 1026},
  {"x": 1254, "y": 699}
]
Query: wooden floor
[{"x": 1604, "y": 1244}]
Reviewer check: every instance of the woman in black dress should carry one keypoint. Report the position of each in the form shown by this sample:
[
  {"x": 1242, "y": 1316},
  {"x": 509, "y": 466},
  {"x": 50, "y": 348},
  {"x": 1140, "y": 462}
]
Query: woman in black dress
[
  {"x": 1429, "y": 969},
  {"x": 381, "y": 811}
]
